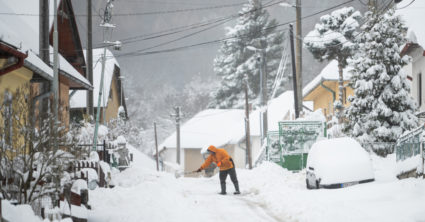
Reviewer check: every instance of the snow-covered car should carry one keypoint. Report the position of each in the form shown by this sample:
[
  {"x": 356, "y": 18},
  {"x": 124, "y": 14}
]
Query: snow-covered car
[{"x": 337, "y": 163}]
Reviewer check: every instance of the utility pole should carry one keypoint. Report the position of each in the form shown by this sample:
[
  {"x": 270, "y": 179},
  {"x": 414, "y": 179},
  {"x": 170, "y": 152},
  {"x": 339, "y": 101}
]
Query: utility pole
[
  {"x": 44, "y": 31},
  {"x": 55, "y": 72},
  {"x": 89, "y": 69},
  {"x": 263, "y": 88},
  {"x": 177, "y": 109},
  {"x": 294, "y": 75},
  {"x": 107, "y": 26},
  {"x": 299, "y": 57},
  {"x": 56, "y": 95},
  {"x": 177, "y": 116},
  {"x": 247, "y": 129},
  {"x": 156, "y": 147}
]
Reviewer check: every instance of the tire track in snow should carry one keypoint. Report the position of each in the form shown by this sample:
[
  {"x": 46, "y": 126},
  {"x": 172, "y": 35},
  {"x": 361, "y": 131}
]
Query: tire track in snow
[{"x": 225, "y": 208}]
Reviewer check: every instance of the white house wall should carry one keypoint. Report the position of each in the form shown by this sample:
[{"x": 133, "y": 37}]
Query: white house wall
[{"x": 413, "y": 69}]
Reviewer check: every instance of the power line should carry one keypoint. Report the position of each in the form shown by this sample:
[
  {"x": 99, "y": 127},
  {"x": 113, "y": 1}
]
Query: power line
[
  {"x": 383, "y": 9},
  {"x": 144, "y": 13},
  {"x": 221, "y": 20},
  {"x": 406, "y": 5},
  {"x": 140, "y": 52},
  {"x": 205, "y": 29}
]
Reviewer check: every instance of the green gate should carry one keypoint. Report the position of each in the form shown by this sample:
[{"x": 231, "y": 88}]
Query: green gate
[
  {"x": 407, "y": 147},
  {"x": 296, "y": 139}
]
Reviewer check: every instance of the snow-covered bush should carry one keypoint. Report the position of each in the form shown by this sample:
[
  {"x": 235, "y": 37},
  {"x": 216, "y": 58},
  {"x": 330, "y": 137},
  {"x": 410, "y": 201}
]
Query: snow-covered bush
[
  {"x": 34, "y": 150},
  {"x": 382, "y": 107}
]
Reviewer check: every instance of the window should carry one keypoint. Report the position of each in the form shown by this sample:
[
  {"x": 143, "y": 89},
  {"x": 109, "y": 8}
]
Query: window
[{"x": 420, "y": 89}]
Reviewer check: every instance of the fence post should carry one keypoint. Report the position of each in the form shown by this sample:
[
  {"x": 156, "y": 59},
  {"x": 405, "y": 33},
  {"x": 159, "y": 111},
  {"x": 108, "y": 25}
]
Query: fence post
[
  {"x": 421, "y": 152},
  {"x": 104, "y": 151}
]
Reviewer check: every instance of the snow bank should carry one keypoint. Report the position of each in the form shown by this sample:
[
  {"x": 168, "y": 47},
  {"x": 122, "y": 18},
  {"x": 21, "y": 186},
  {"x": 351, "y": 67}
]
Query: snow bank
[
  {"x": 19, "y": 213},
  {"x": 142, "y": 194},
  {"x": 284, "y": 196},
  {"x": 339, "y": 160},
  {"x": 409, "y": 164}
]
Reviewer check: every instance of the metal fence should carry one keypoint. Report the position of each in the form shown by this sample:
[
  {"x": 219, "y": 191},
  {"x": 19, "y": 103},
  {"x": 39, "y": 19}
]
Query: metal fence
[
  {"x": 289, "y": 146},
  {"x": 409, "y": 145}
]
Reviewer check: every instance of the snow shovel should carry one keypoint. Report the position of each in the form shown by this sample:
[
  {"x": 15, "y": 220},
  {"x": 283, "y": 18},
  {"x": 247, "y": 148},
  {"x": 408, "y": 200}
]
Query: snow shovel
[{"x": 179, "y": 174}]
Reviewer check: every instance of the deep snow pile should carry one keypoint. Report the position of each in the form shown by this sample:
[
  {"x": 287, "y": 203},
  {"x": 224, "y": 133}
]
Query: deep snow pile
[
  {"x": 387, "y": 199},
  {"x": 22, "y": 213},
  {"x": 269, "y": 193}
]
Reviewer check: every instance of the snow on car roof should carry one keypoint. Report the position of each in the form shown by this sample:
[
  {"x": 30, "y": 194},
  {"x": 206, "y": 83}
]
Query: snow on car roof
[
  {"x": 339, "y": 160},
  {"x": 216, "y": 127}
]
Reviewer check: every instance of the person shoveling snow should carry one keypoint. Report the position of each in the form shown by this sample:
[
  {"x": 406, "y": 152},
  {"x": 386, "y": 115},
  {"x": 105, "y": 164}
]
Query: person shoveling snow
[{"x": 225, "y": 162}]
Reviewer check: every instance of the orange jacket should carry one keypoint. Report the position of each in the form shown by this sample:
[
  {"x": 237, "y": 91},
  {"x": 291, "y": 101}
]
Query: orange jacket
[{"x": 221, "y": 158}]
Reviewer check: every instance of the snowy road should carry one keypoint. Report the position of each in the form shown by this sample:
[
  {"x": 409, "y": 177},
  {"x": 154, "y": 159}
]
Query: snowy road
[
  {"x": 269, "y": 194},
  {"x": 195, "y": 199},
  {"x": 224, "y": 208},
  {"x": 145, "y": 195}
]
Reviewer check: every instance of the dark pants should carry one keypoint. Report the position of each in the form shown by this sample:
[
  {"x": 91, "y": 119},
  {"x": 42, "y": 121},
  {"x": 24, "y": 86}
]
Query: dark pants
[{"x": 223, "y": 176}]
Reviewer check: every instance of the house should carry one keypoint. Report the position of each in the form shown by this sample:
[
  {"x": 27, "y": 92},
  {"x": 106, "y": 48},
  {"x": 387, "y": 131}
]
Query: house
[
  {"x": 113, "y": 93},
  {"x": 25, "y": 31},
  {"x": 223, "y": 128},
  {"x": 415, "y": 48},
  {"x": 226, "y": 128},
  {"x": 323, "y": 90}
]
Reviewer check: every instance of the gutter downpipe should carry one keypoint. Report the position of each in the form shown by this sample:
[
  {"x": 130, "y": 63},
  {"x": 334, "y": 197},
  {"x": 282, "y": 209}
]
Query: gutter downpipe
[
  {"x": 330, "y": 90},
  {"x": 21, "y": 56}
]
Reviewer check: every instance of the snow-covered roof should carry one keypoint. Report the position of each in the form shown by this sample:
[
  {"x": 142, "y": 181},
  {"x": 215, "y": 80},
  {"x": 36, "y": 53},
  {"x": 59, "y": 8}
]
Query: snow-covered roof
[
  {"x": 12, "y": 32},
  {"x": 278, "y": 109},
  {"x": 216, "y": 127},
  {"x": 330, "y": 73},
  {"x": 414, "y": 16},
  {"x": 78, "y": 100},
  {"x": 20, "y": 27}
]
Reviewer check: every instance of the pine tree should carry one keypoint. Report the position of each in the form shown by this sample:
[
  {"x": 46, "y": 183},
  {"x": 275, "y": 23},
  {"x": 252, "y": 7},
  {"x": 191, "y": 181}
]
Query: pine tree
[
  {"x": 332, "y": 39},
  {"x": 381, "y": 108},
  {"x": 235, "y": 62}
]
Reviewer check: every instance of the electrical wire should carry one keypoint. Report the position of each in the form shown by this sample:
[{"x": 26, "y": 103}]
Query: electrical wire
[
  {"x": 383, "y": 9},
  {"x": 141, "y": 52},
  {"x": 406, "y": 5},
  {"x": 218, "y": 21}
]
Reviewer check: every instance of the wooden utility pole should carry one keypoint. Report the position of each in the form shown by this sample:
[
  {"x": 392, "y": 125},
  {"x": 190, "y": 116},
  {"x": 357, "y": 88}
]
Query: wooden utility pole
[
  {"x": 44, "y": 31},
  {"x": 247, "y": 129},
  {"x": 263, "y": 97},
  {"x": 294, "y": 76},
  {"x": 89, "y": 69},
  {"x": 156, "y": 147},
  {"x": 177, "y": 109},
  {"x": 299, "y": 57}
]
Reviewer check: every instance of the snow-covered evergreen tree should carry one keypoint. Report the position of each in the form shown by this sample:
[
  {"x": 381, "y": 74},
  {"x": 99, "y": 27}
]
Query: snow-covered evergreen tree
[
  {"x": 236, "y": 62},
  {"x": 332, "y": 39},
  {"x": 381, "y": 108}
]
